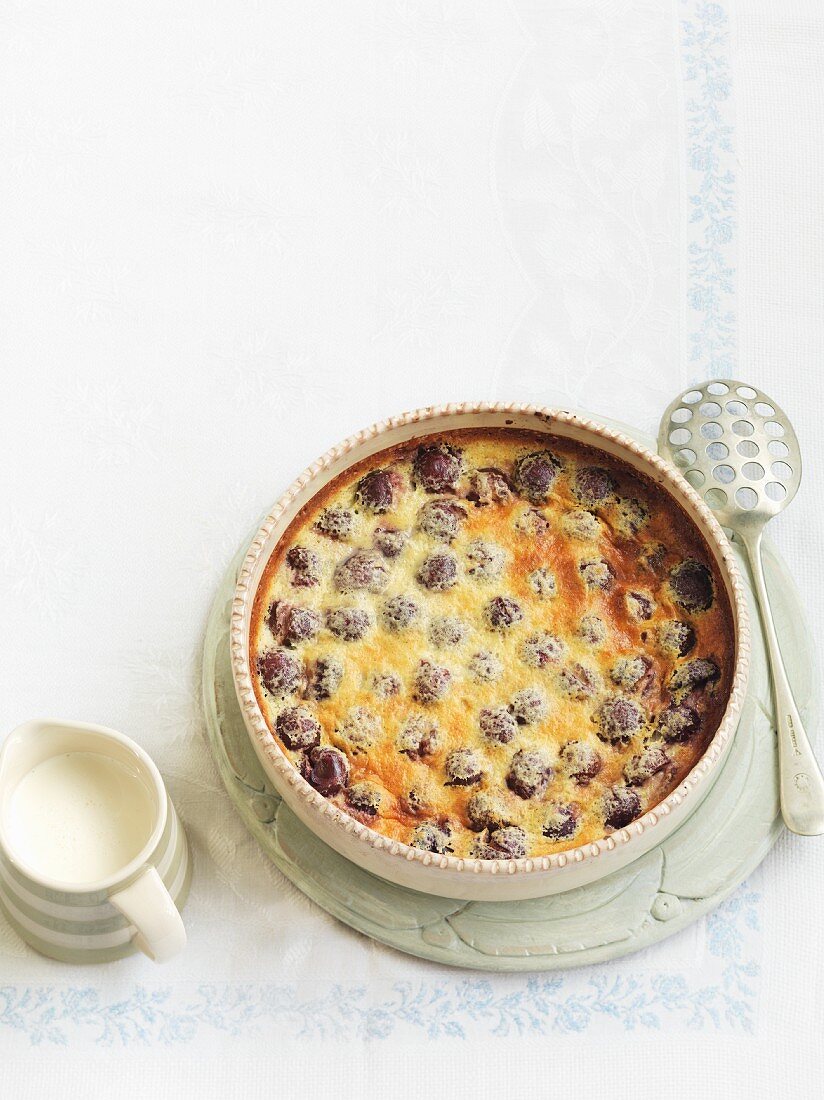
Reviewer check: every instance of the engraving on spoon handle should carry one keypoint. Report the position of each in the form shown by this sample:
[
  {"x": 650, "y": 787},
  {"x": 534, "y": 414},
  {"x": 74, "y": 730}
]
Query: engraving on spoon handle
[{"x": 801, "y": 781}]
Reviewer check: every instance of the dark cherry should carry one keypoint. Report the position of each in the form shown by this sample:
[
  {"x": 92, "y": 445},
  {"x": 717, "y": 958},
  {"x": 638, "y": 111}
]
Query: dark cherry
[
  {"x": 485, "y": 668},
  {"x": 431, "y": 682},
  {"x": 445, "y": 631},
  {"x": 678, "y": 723},
  {"x": 280, "y": 672},
  {"x": 489, "y": 485},
  {"x": 535, "y": 475},
  {"x": 463, "y": 768},
  {"x": 543, "y": 584},
  {"x": 441, "y": 519},
  {"x": 497, "y": 724},
  {"x": 529, "y": 705},
  {"x": 581, "y": 762},
  {"x": 540, "y": 650},
  {"x": 348, "y": 623},
  {"x": 618, "y": 718},
  {"x": 291, "y": 624},
  {"x": 593, "y": 485},
  {"x": 647, "y": 764},
  {"x": 420, "y": 736},
  {"x": 639, "y": 605},
  {"x": 691, "y": 584},
  {"x": 389, "y": 541},
  {"x": 305, "y": 567},
  {"x": 335, "y": 522},
  {"x": 579, "y": 682},
  {"x": 676, "y": 638},
  {"x": 628, "y": 672},
  {"x": 437, "y": 467},
  {"x": 399, "y": 613},
  {"x": 697, "y": 672},
  {"x": 430, "y": 837},
  {"x": 485, "y": 811},
  {"x": 620, "y": 806},
  {"x": 596, "y": 574},
  {"x": 361, "y": 570},
  {"x": 364, "y": 797},
  {"x": 502, "y": 612},
  {"x": 297, "y": 728},
  {"x": 326, "y": 677},
  {"x": 326, "y": 769},
  {"x": 438, "y": 571},
  {"x": 530, "y": 773},
  {"x": 378, "y": 490},
  {"x": 561, "y": 821}
]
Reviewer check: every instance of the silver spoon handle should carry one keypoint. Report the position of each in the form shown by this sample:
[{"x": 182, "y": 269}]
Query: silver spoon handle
[{"x": 801, "y": 783}]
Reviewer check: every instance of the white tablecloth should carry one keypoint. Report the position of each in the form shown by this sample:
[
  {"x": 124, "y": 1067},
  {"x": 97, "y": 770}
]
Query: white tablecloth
[{"x": 236, "y": 232}]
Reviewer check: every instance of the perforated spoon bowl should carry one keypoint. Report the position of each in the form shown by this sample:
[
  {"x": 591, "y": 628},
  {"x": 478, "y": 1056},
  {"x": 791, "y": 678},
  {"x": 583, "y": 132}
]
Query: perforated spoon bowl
[{"x": 737, "y": 448}]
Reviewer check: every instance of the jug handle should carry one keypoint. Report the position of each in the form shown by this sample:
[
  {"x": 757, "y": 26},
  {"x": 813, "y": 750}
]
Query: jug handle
[{"x": 148, "y": 905}]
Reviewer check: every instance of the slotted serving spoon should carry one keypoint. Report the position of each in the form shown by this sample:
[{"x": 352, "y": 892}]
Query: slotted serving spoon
[{"x": 737, "y": 448}]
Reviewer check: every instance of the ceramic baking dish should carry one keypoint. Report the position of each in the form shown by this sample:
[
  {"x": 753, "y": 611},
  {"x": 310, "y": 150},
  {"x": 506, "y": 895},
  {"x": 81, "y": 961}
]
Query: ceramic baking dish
[{"x": 446, "y": 875}]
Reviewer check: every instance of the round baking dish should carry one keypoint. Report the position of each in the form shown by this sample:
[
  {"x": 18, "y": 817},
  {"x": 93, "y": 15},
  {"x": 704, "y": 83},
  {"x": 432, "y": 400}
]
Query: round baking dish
[{"x": 448, "y": 876}]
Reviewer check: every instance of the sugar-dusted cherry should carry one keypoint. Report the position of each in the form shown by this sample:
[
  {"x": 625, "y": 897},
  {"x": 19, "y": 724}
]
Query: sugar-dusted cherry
[
  {"x": 464, "y": 767},
  {"x": 348, "y": 623},
  {"x": 580, "y": 762},
  {"x": 619, "y": 807},
  {"x": 362, "y": 570},
  {"x": 530, "y": 773},
  {"x": 297, "y": 728},
  {"x": 419, "y": 736},
  {"x": 535, "y": 475},
  {"x": 592, "y": 485},
  {"x": 502, "y": 612},
  {"x": 561, "y": 821},
  {"x": 529, "y": 705},
  {"x": 399, "y": 613},
  {"x": 438, "y": 571},
  {"x": 431, "y": 682},
  {"x": 619, "y": 718},
  {"x": 336, "y": 523},
  {"x": 441, "y": 519},
  {"x": 678, "y": 723},
  {"x": 304, "y": 565},
  {"x": 365, "y": 798},
  {"x": 645, "y": 765},
  {"x": 497, "y": 724},
  {"x": 280, "y": 672}
]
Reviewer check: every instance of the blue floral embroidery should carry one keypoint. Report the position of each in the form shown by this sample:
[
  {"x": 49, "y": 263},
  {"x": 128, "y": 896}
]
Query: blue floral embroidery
[
  {"x": 442, "y": 1009},
  {"x": 711, "y": 183}
]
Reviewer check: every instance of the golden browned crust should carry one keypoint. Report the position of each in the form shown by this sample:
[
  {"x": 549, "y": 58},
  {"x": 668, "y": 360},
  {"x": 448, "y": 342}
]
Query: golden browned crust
[{"x": 596, "y": 574}]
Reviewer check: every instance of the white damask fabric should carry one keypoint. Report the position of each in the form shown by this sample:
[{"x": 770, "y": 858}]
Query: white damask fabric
[{"x": 235, "y": 233}]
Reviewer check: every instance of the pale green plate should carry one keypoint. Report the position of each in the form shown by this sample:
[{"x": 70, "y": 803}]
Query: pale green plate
[{"x": 657, "y": 895}]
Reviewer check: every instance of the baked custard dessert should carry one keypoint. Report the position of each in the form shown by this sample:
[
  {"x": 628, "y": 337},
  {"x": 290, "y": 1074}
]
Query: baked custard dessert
[{"x": 493, "y": 643}]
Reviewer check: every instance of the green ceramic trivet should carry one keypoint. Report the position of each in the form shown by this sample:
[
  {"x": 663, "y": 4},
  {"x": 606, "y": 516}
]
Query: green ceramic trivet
[{"x": 654, "y": 897}]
